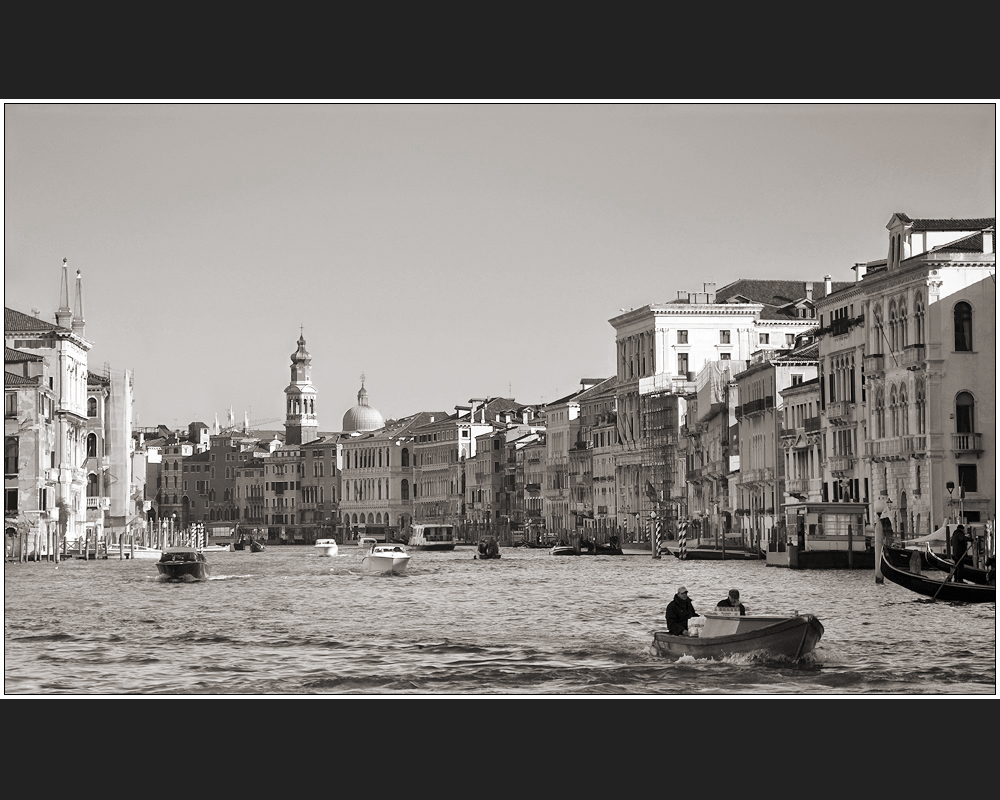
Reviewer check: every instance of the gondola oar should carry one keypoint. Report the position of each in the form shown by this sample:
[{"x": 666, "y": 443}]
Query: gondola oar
[{"x": 950, "y": 576}]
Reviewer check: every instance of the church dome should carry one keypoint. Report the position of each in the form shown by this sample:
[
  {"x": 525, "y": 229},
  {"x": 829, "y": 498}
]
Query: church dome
[{"x": 362, "y": 417}]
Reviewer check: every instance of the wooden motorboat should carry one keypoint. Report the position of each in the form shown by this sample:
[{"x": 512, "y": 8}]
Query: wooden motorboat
[
  {"x": 487, "y": 548},
  {"x": 386, "y": 558},
  {"x": 728, "y": 634},
  {"x": 937, "y": 587},
  {"x": 256, "y": 546},
  {"x": 216, "y": 548},
  {"x": 326, "y": 547},
  {"x": 564, "y": 550},
  {"x": 432, "y": 537},
  {"x": 183, "y": 564},
  {"x": 970, "y": 573}
]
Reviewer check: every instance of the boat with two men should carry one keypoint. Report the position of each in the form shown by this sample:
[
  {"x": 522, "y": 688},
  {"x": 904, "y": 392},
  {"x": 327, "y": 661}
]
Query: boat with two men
[{"x": 726, "y": 633}]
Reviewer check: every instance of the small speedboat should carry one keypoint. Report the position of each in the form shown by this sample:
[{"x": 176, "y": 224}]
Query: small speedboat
[
  {"x": 326, "y": 547},
  {"x": 488, "y": 548},
  {"x": 216, "y": 548},
  {"x": 728, "y": 634},
  {"x": 386, "y": 558},
  {"x": 564, "y": 550},
  {"x": 183, "y": 564}
]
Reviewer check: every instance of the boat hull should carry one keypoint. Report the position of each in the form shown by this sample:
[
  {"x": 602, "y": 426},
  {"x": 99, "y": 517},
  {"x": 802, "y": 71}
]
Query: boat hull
[
  {"x": 791, "y": 637},
  {"x": 969, "y": 573},
  {"x": 441, "y": 547},
  {"x": 715, "y": 554},
  {"x": 935, "y": 588},
  {"x": 385, "y": 564},
  {"x": 184, "y": 571}
]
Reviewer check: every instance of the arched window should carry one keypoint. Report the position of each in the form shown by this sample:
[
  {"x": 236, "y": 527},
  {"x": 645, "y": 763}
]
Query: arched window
[
  {"x": 371, "y": 519},
  {"x": 965, "y": 406},
  {"x": 92, "y": 407},
  {"x": 405, "y": 459},
  {"x": 963, "y": 327},
  {"x": 921, "y": 402},
  {"x": 904, "y": 412},
  {"x": 404, "y": 489},
  {"x": 92, "y": 486},
  {"x": 902, "y": 322},
  {"x": 878, "y": 413},
  {"x": 92, "y": 445},
  {"x": 893, "y": 334},
  {"x": 918, "y": 319},
  {"x": 878, "y": 345},
  {"x": 894, "y": 411}
]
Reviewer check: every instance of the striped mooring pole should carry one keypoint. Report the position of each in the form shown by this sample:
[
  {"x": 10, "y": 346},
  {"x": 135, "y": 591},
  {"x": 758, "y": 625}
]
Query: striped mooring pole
[
  {"x": 682, "y": 541},
  {"x": 656, "y": 538}
]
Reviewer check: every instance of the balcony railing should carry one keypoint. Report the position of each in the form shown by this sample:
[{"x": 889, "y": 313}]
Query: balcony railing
[
  {"x": 840, "y": 411},
  {"x": 911, "y": 357},
  {"x": 797, "y": 486},
  {"x": 967, "y": 443},
  {"x": 841, "y": 463},
  {"x": 874, "y": 363},
  {"x": 897, "y": 447}
]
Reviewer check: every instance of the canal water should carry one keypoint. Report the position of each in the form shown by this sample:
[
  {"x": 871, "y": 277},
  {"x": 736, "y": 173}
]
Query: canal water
[{"x": 290, "y": 622}]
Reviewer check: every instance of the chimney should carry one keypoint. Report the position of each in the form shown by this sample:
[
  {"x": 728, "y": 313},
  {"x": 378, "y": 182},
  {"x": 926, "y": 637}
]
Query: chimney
[
  {"x": 859, "y": 271},
  {"x": 809, "y": 290},
  {"x": 710, "y": 291},
  {"x": 683, "y": 297},
  {"x": 989, "y": 240},
  {"x": 827, "y": 285}
]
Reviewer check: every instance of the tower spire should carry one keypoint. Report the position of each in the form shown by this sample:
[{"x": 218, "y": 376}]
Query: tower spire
[
  {"x": 79, "y": 325},
  {"x": 64, "y": 316}
]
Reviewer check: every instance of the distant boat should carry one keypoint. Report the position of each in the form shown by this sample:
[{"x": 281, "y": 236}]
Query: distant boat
[
  {"x": 256, "y": 547},
  {"x": 326, "y": 547},
  {"x": 432, "y": 537},
  {"x": 183, "y": 564},
  {"x": 487, "y": 549}
]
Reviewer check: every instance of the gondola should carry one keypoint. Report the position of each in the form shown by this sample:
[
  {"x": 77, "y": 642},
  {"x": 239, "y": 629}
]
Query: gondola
[
  {"x": 937, "y": 588},
  {"x": 903, "y": 558},
  {"x": 969, "y": 572}
]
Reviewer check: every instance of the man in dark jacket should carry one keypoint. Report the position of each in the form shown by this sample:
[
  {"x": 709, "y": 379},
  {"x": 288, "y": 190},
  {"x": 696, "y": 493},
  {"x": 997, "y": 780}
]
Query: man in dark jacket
[
  {"x": 733, "y": 601},
  {"x": 679, "y": 612},
  {"x": 959, "y": 543}
]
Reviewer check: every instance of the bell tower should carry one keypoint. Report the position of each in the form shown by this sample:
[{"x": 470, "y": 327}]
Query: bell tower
[{"x": 301, "y": 425}]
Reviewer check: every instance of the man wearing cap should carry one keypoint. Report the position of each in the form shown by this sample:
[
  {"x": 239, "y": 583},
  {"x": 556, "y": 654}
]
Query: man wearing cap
[
  {"x": 679, "y": 612},
  {"x": 733, "y": 601}
]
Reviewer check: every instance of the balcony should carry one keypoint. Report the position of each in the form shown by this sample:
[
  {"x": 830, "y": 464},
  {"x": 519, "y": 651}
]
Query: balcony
[
  {"x": 693, "y": 475},
  {"x": 840, "y": 411},
  {"x": 897, "y": 448},
  {"x": 874, "y": 364},
  {"x": 912, "y": 357},
  {"x": 840, "y": 464},
  {"x": 797, "y": 486},
  {"x": 962, "y": 443}
]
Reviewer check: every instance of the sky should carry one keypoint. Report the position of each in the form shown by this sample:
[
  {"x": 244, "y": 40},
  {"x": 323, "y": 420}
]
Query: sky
[{"x": 445, "y": 251}]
